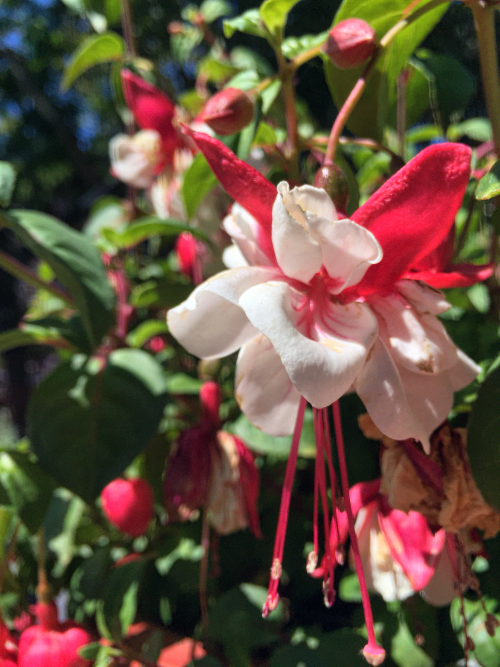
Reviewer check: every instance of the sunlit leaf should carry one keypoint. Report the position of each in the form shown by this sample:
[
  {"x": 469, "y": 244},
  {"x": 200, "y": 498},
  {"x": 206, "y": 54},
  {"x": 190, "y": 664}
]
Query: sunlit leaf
[{"x": 94, "y": 50}]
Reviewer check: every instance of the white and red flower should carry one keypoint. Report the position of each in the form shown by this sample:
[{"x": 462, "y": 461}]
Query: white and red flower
[{"x": 319, "y": 305}]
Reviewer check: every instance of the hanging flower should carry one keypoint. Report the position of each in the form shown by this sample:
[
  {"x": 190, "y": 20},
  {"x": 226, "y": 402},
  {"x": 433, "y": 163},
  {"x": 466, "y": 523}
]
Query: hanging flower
[
  {"x": 315, "y": 307},
  {"x": 211, "y": 468}
]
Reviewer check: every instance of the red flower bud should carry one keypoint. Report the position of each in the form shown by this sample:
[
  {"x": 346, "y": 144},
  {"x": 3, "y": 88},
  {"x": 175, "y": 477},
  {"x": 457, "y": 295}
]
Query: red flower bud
[
  {"x": 187, "y": 256},
  {"x": 228, "y": 111},
  {"x": 211, "y": 398},
  {"x": 332, "y": 179},
  {"x": 350, "y": 43},
  {"x": 128, "y": 505},
  {"x": 52, "y": 643}
]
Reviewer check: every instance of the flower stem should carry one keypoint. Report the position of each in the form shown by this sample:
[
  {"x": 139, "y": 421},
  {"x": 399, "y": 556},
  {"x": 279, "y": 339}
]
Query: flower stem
[
  {"x": 305, "y": 57},
  {"x": 360, "y": 86},
  {"x": 285, "y": 73},
  {"x": 18, "y": 270},
  {"x": 484, "y": 18},
  {"x": 372, "y": 645},
  {"x": 205, "y": 543},
  {"x": 127, "y": 27}
]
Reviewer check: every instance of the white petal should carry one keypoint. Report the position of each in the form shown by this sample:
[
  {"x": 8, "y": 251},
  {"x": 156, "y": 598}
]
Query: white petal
[
  {"x": 243, "y": 229},
  {"x": 423, "y": 297},
  {"x": 134, "y": 169},
  {"x": 347, "y": 250},
  {"x": 430, "y": 397},
  {"x": 210, "y": 323},
  {"x": 297, "y": 253},
  {"x": 263, "y": 389},
  {"x": 321, "y": 370},
  {"x": 418, "y": 342},
  {"x": 233, "y": 257},
  {"x": 463, "y": 372},
  {"x": 380, "y": 388},
  {"x": 383, "y": 574},
  {"x": 308, "y": 198}
]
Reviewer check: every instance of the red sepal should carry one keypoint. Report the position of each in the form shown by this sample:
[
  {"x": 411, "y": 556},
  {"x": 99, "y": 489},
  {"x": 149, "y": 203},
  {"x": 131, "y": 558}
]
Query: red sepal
[
  {"x": 456, "y": 275},
  {"x": 242, "y": 182},
  {"x": 413, "y": 212}
]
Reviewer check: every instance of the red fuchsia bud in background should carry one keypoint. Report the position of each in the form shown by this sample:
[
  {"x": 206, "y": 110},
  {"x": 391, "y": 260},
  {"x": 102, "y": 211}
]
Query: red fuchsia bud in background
[
  {"x": 350, "y": 43},
  {"x": 186, "y": 250},
  {"x": 8, "y": 647},
  {"x": 332, "y": 179},
  {"x": 52, "y": 643},
  {"x": 128, "y": 504},
  {"x": 211, "y": 399},
  {"x": 228, "y": 111}
]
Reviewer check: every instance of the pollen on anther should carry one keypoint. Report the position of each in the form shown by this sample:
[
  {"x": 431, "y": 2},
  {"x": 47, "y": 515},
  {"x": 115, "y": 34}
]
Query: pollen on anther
[
  {"x": 312, "y": 562},
  {"x": 276, "y": 570}
]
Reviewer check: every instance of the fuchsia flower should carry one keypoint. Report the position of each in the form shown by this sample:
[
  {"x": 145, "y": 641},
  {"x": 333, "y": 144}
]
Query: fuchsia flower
[
  {"x": 137, "y": 159},
  {"x": 319, "y": 305},
  {"x": 211, "y": 468}
]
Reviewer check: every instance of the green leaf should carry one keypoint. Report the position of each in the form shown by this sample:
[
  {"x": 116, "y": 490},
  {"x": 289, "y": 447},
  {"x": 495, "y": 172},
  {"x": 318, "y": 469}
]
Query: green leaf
[
  {"x": 7, "y": 181},
  {"x": 120, "y": 596},
  {"x": 275, "y": 13},
  {"x": 279, "y": 447},
  {"x": 452, "y": 86},
  {"x": 89, "y": 651},
  {"x": 369, "y": 116},
  {"x": 484, "y": 438},
  {"x": 489, "y": 185},
  {"x": 250, "y": 22},
  {"x": 405, "y": 652},
  {"x": 211, "y": 10},
  {"x": 94, "y": 50},
  {"x": 145, "y": 331},
  {"x": 486, "y": 648},
  {"x": 349, "y": 589},
  {"x": 198, "y": 181},
  {"x": 294, "y": 46},
  {"x": 75, "y": 262},
  {"x": 213, "y": 69},
  {"x": 180, "y": 383},
  {"x": 29, "y": 335},
  {"x": 264, "y": 136},
  {"x": 27, "y": 487},
  {"x": 145, "y": 228},
  {"x": 88, "y": 423},
  {"x": 301, "y": 654},
  {"x": 269, "y": 94},
  {"x": 244, "y": 80},
  {"x": 478, "y": 129}
]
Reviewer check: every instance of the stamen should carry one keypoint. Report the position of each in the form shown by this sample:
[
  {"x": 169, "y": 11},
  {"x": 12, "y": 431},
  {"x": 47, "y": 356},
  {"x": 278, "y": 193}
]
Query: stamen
[
  {"x": 279, "y": 543},
  {"x": 373, "y": 653}
]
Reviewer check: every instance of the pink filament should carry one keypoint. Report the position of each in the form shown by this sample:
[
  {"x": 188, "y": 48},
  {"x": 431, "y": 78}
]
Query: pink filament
[{"x": 279, "y": 544}]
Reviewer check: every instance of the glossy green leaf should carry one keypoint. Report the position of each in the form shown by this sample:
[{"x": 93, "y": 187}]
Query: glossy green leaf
[
  {"x": 478, "y": 129},
  {"x": 27, "y": 487},
  {"x": 7, "y": 181},
  {"x": 279, "y": 447},
  {"x": 198, "y": 181},
  {"x": 30, "y": 335},
  {"x": 250, "y": 22},
  {"x": 484, "y": 438},
  {"x": 88, "y": 423},
  {"x": 275, "y": 13},
  {"x": 294, "y": 46},
  {"x": 145, "y": 228},
  {"x": 94, "y": 50},
  {"x": 489, "y": 185},
  {"x": 369, "y": 115},
  {"x": 76, "y": 264}
]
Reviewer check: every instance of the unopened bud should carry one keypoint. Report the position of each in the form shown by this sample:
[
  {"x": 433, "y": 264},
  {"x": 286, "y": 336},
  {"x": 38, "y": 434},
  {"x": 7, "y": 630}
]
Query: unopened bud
[
  {"x": 228, "y": 111},
  {"x": 332, "y": 179},
  {"x": 350, "y": 43},
  {"x": 211, "y": 398}
]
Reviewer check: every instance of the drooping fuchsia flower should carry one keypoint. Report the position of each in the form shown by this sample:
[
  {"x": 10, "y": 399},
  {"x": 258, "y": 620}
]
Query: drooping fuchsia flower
[
  {"x": 319, "y": 305},
  {"x": 158, "y": 145},
  {"x": 211, "y": 468}
]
